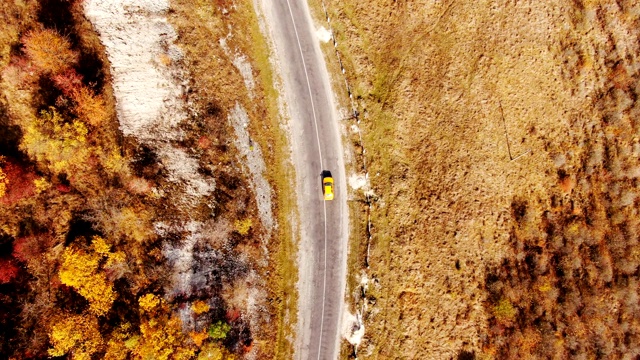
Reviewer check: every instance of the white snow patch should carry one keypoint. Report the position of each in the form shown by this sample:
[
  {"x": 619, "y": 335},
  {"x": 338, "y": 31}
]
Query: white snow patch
[
  {"x": 357, "y": 181},
  {"x": 243, "y": 66},
  {"x": 241, "y": 63},
  {"x": 255, "y": 162},
  {"x": 136, "y": 34},
  {"x": 323, "y": 34},
  {"x": 364, "y": 282},
  {"x": 352, "y": 327},
  {"x": 181, "y": 259},
  {"x": 147, "y": 83},
  {"x": 186, "y": 315},
  {"x": 184, "y": 169}
]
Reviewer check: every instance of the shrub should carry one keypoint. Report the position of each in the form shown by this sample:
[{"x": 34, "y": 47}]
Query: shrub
[
  {"x": 18, "y": 183},
  {"x": 131, "y": 222},
  {"x": 243, "y": 226},
  {"x": 200, "y": 307},
  {"x": 27, "y": 248},
  {"x": 198, "y": 337},
  {"x": 3, "y": 181},
  {"x": 41, "y": 184},
  {"x": 68, "y": 82},
  {"x": 219, "y": 330},
  {"x": 504, "y": 311},
  {"x": 49, "y": 52}
]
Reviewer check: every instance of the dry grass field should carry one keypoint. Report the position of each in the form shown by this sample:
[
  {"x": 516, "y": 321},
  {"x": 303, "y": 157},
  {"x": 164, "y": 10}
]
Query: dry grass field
[{"x": 502, "y": 143}]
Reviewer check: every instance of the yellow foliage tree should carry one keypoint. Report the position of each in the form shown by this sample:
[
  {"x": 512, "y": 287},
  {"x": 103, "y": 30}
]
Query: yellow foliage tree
[
  {"x": 243, "y": 226},
  {"x": 214, "y": 351},
  {"x": 149, "y": 302},
  {"x": 80, "y": 270},
  {"x": 162, "y": 339},
  {"x": 50, "y": 52},
  {"x": 117, "y": 345},
  {"x": 101, "y": 247},
  {"x": 78, "y": 335},
  {"x": 60, "y": 144},
  {"x": 114, "y": 163}
]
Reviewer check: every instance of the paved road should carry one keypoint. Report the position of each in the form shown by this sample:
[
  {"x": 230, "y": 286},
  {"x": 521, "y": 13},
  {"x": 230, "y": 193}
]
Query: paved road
[{"x": 316, "y": 145}]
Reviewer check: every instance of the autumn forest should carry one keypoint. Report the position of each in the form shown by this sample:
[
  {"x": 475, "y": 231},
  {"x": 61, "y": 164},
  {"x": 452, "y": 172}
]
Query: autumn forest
[{"x": 93, "y": 261}]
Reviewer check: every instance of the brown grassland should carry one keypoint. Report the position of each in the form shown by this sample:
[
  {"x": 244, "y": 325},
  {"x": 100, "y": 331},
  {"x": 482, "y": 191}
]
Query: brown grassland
[
  {"x": 82, "y": 269},
  {"x": 502, "y": 141}
]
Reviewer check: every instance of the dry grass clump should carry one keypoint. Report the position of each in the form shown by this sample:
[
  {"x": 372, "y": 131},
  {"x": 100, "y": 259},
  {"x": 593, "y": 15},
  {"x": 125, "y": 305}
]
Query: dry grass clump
[{"x": 444, "y": 90}]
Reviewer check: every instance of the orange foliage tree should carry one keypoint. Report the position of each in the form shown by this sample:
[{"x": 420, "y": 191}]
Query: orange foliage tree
[
  {"x": 91, "y": 108},
  {"x": 49, "y": 52}
]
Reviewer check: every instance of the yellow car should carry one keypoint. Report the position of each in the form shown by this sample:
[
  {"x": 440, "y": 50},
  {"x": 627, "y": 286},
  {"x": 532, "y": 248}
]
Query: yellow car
[{"x": 327, "y": 186}]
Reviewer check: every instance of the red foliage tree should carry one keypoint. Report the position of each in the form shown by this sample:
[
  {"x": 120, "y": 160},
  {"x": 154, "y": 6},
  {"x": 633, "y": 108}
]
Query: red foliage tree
[
  {"x": 30, "y": 247},
  {"x": 20, "y": 183},
  {"x": 68, "y": 82},
  {"x": 8, "y": 270}
]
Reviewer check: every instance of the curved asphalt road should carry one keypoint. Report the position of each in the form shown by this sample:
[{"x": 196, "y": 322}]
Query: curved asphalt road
[{"x": 316, "y": 146}]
